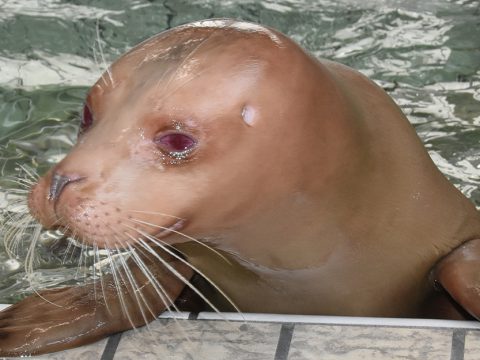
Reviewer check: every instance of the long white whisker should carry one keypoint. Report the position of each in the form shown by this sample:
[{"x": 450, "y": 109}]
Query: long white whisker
[
  {"x": 24, "y": 183},
  {"x": 102, "y": 54},
  {"x": 14, "y": 235},
  {"x": 156, "y": 213},
  {"x": 102, "y": 281},
  {"x": 29, "y": 262},
  {"x": 159, "y": 289},
  {"x": 27, "y": 171},
  {"x": 18, "y": 191},
  {"x": 135, "y": 289},
  {"x": 119, "y": 290},
  {"x": 164, "y": 246},
  {"x": 69, "y": 246},
  {"x": 184, "y": 235}
]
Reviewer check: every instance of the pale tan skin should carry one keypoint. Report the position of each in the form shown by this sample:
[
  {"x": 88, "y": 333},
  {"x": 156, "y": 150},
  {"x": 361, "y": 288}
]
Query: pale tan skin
[{"x": 322, "y": 198}]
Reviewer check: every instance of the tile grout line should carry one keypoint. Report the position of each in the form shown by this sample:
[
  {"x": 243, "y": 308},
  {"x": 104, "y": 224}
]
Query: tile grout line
[
  {"x": 458, "y": 345},
  {"x": 284, "y": 341},
  {"x": 111, "y": 347},
  {"x": 193, "y": 316}
]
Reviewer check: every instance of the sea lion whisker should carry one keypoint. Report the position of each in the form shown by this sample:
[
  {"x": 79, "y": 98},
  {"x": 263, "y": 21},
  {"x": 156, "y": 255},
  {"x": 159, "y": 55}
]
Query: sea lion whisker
[
  {"x": 136, "y": 291},
  {"x": 94, "y": 274},
  {"x": 156, "y": 213},
  {"x": 69, "y": 246},
  {"x": 150, "y": 250},
  {"x": 33, "y": 176},
  {"x": 98, "y": 261},
  {"x": 118, "y": 287},
  {"x": 159, "y": 288},
  {"x": 184, "y": 235},
  {"x": 102, "y": 281},
  {"x": 18, "y": 179},
  {"x": 24, "y": 184},
  {"x": 30, "y": 256},
  {"x": 79, "y": 262},
  {"x": 58, "y": 222},
  {"x": 13, "y": 223},
  {"x": 119, "y": 279},
  {"x": 16, "y": 221},
  {"x": 14, "y": 235},
  {"x": 136, "y": 288},
  {"x": 164, "y": 246},
  {"x": 17, "y": 191},
  {"x": 11, "y": 217},
  {"x": 10, "y": 238},
  {"x": 86, "y": 250},
  {"x": 14, "y": 211},
  {"x": 102, "y": 55},
  {"x": 10, "y": 233},
  {"x": 185, "y": 281},
  {"x": 29, "y": 264},
  {"x": 12, "y": 241},
  {"x": 82, "y": 262}
]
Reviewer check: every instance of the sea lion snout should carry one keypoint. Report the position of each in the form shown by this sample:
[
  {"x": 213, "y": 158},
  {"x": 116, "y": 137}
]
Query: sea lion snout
[
  {"x": 98, "y": 202},
  {"x": 44, "y": 196}
]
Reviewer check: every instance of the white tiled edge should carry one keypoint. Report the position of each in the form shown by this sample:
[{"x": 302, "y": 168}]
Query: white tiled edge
[
  {"x": 327, "y": 320},
  {"x": 333, "y": 320}
]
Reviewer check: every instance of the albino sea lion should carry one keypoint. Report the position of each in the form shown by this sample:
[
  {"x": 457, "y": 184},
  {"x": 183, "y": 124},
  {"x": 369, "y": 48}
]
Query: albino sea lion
[{"x": 291, "y": 185}]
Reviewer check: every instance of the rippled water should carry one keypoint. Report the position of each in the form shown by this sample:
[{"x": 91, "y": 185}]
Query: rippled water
[{"x": 426, "y": 54}]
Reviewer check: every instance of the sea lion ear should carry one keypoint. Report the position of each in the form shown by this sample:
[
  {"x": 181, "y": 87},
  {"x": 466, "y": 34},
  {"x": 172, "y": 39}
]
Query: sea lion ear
[{"x": 459, "y": 274}]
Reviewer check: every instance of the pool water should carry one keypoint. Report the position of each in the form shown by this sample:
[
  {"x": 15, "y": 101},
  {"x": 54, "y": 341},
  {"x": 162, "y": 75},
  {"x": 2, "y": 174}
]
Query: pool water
[{"x": 425, "y": 54}]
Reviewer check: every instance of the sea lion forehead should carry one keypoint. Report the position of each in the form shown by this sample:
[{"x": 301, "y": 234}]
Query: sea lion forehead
[
  {"x": 209, "y": 30},
  {"x": 189, "y": 42},
  {"x": 239, "y": 26},
  {"x": 176, "y": 54},
  {"x": 220, "y": 49}
]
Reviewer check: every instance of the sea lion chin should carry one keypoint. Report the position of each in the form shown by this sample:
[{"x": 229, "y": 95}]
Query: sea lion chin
[{"x": 220, "y": 148}]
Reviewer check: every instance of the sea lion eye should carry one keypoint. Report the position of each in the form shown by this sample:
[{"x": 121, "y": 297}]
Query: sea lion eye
[
  {"x": 87, "y": 119},
  {"x": 175, "y": 144}
]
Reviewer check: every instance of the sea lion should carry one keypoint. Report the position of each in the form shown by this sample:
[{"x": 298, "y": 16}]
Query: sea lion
[{"x": 221, "y": 148}]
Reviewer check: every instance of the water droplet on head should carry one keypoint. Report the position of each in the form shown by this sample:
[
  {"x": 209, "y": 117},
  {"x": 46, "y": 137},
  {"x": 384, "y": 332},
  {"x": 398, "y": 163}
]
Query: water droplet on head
[{"x": 248, "y": 115}]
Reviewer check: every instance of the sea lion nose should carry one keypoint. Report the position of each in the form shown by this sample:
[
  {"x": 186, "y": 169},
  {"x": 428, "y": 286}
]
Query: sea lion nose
[{"x": 58, "y": 183}]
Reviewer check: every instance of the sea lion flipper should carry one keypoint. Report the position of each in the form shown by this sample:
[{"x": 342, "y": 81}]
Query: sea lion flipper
[
  {"x": 60, "y": 319},
  {"x": 459, "y": 275}
]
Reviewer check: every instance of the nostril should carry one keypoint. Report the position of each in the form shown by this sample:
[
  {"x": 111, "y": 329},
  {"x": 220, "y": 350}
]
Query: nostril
[{"x": 58, "y": 183}]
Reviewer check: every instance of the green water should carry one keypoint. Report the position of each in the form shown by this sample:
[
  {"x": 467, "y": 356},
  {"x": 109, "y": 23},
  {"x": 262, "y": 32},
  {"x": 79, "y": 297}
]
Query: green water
[{"x": 426, "y": 54}]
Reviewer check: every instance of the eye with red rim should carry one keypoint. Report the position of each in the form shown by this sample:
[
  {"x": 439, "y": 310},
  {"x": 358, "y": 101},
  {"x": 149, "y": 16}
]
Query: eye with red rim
[
  {"x": 87, "y": 119},
  {"x": 177, "y": 145}
]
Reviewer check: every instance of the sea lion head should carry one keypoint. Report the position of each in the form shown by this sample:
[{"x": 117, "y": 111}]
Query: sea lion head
[{"x": 202, "y": 129}]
